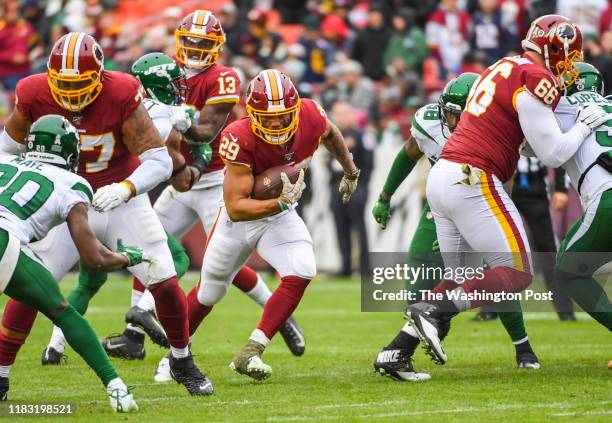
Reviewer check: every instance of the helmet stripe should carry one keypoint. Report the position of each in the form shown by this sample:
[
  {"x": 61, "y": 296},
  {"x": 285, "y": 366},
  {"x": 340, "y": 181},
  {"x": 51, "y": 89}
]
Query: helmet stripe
[
  {"x": 65, "y": 49},
  {"x": 206, "y": 18},
  {"x": 194, "y": 18},
  {"x": 200, "y": 19},
  {"x": 274, "y": 86},
  {"x": 279, "y": 81},
  {"x": 77, "y": 48},
  {"x": 268, "y": 86},
  {"x": 70, "y": 53}
]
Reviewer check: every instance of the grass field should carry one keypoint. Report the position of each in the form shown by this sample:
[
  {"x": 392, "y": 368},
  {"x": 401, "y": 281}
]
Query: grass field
[{"x": 334, "y": 379}]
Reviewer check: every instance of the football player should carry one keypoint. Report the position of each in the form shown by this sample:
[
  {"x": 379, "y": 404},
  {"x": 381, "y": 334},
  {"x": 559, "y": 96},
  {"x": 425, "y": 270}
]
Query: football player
[
  {"x": 123, "y": 157},
  {"x": 280, "y": 129},
  {"x": 36, "y": 194},
  {"x": 512, "y": 100},
  {"x": 431, "y": 127},
  {"x": 590, "y": 172}
]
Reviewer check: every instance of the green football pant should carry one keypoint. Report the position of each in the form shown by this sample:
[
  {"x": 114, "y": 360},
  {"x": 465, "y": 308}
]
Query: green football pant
[
  {"x": 91, "y": 280},
  {"x": 32, "y": 284},
  {"x": 420, "y": 254},
  {"x": 585, "y": 248}
]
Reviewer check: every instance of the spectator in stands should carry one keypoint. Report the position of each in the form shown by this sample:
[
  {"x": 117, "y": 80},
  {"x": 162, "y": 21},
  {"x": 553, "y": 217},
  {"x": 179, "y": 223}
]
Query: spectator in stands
[
  {"x": 359, "y": 90},
  {"x": 350, "y": 217},
  {"x": 17, "y": 40},
  {"x": 599, "y": 54},
  {"x": 447, "y": 34},
  {"x": 268, "y": 45},
  {"x": 488, "y": 33},
  {"x": 407, "y": 47},
  {"x": 317, "y": 52},
  {"x": 370, "y": 44},
  {"x": 234, "y": 30},
  {"x": 585, "y": 13},
  {"x": 421, "y": 9},
  {"x": 394, "y": 124},
  {"x": 335, "y": 29}
]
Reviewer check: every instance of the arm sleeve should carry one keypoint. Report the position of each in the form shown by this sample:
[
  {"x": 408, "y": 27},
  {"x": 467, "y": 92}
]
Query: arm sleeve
[
  {"x": 550, "y": 145},
  {"x": 80, "y": 192},
  {"x": 155, "y": 168},
  {"x": 163, "y": 125}
]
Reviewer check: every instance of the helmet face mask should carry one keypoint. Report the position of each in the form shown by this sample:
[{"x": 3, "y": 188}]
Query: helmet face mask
[
  {"x": 74, "y": 71},
  {"x": 161, "y": 77},
  {"x": 589, "y": 79},
  {"x": 273, "y": 106},
  {"x": 199, "y": 39},
  {"x": 453, "y": 100},
  {"x": 54, "y": 140}
]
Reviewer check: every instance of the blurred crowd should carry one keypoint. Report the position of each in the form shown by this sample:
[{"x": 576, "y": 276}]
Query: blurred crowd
[{"x": 374, "y": 61}]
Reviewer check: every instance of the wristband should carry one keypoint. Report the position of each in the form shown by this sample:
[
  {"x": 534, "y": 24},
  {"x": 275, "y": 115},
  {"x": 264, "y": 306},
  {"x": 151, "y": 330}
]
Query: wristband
[
  {"x": 199, "y": 164},
  {"x": 191, "y": 177},
  {"x": 282, "y": 205},
  {"x": 130, "y": 186}
]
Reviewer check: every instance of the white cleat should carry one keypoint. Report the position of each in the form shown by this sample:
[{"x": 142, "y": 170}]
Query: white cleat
[
  {"x": 162, "y": 372},
  {"x": 122, "y": 401},
  {"x": 254, "y": 368}
]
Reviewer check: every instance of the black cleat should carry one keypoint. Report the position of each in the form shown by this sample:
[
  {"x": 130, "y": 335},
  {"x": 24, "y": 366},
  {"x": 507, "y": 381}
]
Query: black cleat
[
  {"x": 567, "y": 316},
  {"x": 527, "y": 360},
  {"x": 147, "y": 321},
  {"x": 128, "y": 345},
  {"x": 293, "y": 336},
  {"x": 485, "y": 316},
  {"x": 428, "y": 322},
  {"x": 397, "y": 365},
  {"x": 50, "y": 356},
  {"x": 185, "y": 372},
  {"x": 4, "y": 388}
]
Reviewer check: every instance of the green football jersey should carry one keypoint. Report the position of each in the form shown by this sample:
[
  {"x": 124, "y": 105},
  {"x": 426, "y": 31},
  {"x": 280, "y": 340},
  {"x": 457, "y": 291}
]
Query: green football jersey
[{"x": 427, "y": 130}]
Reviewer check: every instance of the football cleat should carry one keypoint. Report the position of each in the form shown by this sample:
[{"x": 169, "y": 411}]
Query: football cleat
[
  {"x": 122, "y": 401},
  {"x": 397, "y": 364},
  {"x": 185, "y": 372},
  {"x": 4, "y": 388},
  {"x": 485, "y": 316},
  {"x": 124, "y": 346},
  {"x": 248, "y": 362},
  {"x": 427, "y": 321},
  {"x": 293, "y": 337},
  {"x": 527, "y": 360},
  {"x": 147, "y": 321},
  {"x": 51, "y": 356},
  {"x": 162, "y": 371}
]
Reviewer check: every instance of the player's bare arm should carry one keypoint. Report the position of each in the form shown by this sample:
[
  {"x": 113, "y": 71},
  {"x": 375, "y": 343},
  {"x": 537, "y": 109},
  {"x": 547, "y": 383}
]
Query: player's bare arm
[
  {"x": 94, "y": 254},
  {"x": 183, "y": 176},
  {"x": 237, "y": 188},
  {"x": 15, "y": 131},
  {"x": 211, "y": 122},
  {"x": 333, "y": 140}
]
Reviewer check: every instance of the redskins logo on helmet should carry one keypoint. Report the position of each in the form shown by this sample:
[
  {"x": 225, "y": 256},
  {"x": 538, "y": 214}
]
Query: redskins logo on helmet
[
  {"x": 559, "y": 42},
  {"x": 74, "y": 71},
  {"x": 199, "y": 39},
  {"x": 273, "y": 105}
]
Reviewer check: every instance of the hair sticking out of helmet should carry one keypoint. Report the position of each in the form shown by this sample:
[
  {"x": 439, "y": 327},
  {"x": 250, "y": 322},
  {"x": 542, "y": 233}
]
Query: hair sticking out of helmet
[
  {"x": 273, "y": 105},
  {"x": 559, "y": 42},
  {"x": 54, "y": 140},
  {"x": 199, "y": 39},
  {"x": 74, "y": 71}
]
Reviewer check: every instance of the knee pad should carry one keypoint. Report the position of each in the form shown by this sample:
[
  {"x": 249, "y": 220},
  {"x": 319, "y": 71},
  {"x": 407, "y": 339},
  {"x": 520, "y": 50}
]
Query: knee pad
[
  {"x": 210, "y": 292},
  {"x": 304, "y": 264}
]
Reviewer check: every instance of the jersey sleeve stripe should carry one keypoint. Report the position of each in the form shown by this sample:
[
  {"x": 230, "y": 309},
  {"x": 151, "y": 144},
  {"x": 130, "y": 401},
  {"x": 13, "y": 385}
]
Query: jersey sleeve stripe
[
  {"x": 84, "y": 189},
  {"x": 516, "y": 93},
  {"x": 418, "y": 127},
  {"x": 223, "y": 99}
]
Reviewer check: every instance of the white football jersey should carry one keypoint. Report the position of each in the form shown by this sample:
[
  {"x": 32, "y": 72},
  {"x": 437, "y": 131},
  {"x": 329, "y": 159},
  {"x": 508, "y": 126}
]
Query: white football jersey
[
  {"x": 35, "y": 197},
  {"x": 160, "y": 115},
  {"x": 590, "y": 181},
  {"x": 427, "y": 131}
]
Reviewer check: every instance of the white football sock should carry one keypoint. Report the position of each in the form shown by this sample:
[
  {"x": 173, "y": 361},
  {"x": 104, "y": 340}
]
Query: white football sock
[
  {"x": 147, "y": 302},
  {"x": 259, "y": 337},
  {"x": 409, "y": 330},
  {"x": 136, "y": 295},
  {"x": 261, "y": 293},
  {"x": 57, "y": 341},
  {"x": 116, "y": 383},
  {"x": 179, "y": 352},
  {"x": 5, "y": 370}
]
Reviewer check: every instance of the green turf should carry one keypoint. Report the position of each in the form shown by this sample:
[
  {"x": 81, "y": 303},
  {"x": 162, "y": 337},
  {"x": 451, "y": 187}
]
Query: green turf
[{"x": 334, "y": 379}]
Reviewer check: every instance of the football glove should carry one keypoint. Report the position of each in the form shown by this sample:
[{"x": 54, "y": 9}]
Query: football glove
[
  {"x": 111, "y": 196},
  {"x": 435, "y": 246},
  {"x": 382, "y": 212},
  {"x": 292, "y": 192},
  {"x": 135, "y": 255},
  {"x": 348, "y": 185},
  {"x": 201, "y": 155},
  {"x": 592, "y": 116},
  {"x": 181, "y": 119}
]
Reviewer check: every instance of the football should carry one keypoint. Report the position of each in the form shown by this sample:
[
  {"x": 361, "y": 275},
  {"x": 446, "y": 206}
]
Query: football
[{"x": 269, "y": 185}]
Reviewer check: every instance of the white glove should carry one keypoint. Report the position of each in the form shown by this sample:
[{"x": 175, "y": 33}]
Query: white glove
[
  {"x": 110, "y": 197},
  {"x": 592, "y": 116},
  {"x": 348, "y": 185},
  {"x": 180, "y": 119},
  {"x": 292, "y": 192}
]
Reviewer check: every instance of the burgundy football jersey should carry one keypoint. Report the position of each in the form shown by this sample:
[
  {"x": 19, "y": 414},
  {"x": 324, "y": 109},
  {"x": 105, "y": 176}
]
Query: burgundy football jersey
[
  {"x": 240, "y": 145},
  {"x": 489, "y": 134},
  {"x": 216, "y": 84},
  {"x": 104, "y": 157}
]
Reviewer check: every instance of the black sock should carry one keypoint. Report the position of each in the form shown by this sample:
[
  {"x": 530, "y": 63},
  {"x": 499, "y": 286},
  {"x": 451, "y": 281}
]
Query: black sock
[
  {"x": 403, "y": 341},
  {"x": 523, "y": 347},
  {"x": 446, "y": 306}
]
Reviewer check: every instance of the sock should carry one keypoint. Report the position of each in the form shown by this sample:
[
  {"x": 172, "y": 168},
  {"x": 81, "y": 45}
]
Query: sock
[
  {"x": 138, "y": 290},
  {"x": 261, "y": 293},
  {"x": 171, "y": 307},
  {"x": 281, "y": 304},
  {"x": 523, "y": 346},
  {"x": 445, "y": 285},
  {"x": 245, "y": 279},
  {"x": 196, "y": 312},
  {"x": 57, "y": 341},
  {"x": 406, "y": 339},
  {"x": 512, "y": 319},
  {"x": 5, "y": 370},
  {"x": 147, "y": 302},
  {"x": 17, "y": 321},
  {"x": 497, "y": 279},
  {"x": 590, "y": 296},
  {"x": 260, "y": 337},
  {"x": 90, "y": 281},
  {"x": 180, "y": 352},
  {"x": 81, "y": 337},
  {"x": 116, "y": 383}
]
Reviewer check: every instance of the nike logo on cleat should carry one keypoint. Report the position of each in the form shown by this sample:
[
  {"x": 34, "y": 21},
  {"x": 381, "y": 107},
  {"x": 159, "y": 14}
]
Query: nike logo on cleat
[
  {"x": 388, "y": 356},
  {"x": 114, "y": 346}
]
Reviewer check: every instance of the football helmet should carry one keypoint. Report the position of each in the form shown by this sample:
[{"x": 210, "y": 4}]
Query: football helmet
[
  {"x": 559, "y": 42},
  {"x": 453, "y": 99},
  {"x": 75, "y": 68},
  {"x": 589, "y": 79},
  {"x": 273, "y": 105},
  {"x": 54, "y": 140},
  {"x": 161, "y": 77},
  {"x": 199, "y": 39}
]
